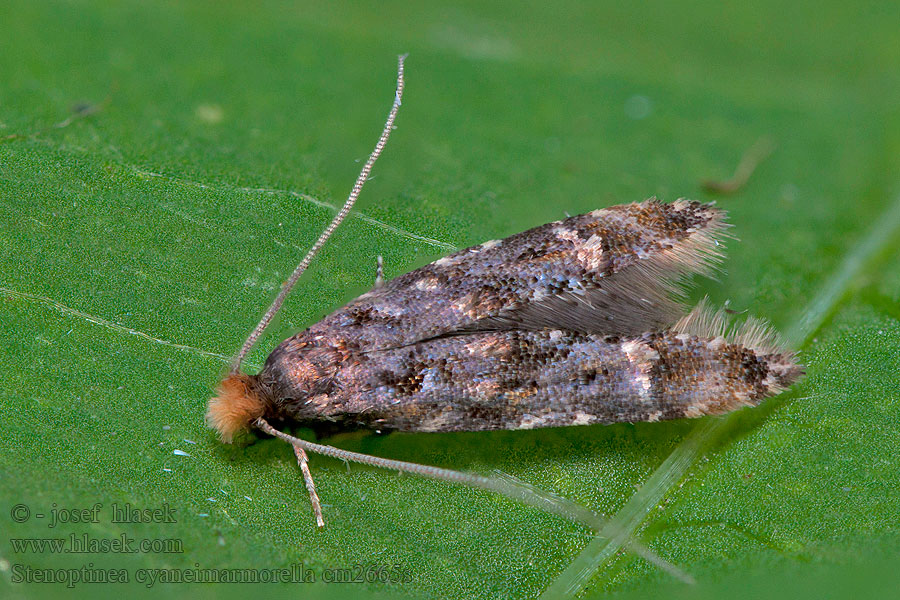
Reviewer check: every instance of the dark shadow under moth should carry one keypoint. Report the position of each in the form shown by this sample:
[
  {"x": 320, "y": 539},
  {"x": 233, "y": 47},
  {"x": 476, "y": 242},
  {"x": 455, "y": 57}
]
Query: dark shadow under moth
[{"x": 575, "y": 322}]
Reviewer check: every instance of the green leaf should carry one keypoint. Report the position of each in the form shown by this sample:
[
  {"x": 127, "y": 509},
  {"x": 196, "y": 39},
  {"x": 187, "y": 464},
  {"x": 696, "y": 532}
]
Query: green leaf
[{"x": 163, "y": 166}]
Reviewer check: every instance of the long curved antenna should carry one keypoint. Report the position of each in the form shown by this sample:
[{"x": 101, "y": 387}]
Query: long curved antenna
[
  {"x": 342, "y": 214},
  {"x": 505, "y": 486}
]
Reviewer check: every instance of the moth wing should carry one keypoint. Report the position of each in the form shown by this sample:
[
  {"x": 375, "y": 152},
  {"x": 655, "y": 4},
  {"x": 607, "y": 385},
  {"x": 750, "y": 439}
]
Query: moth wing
[
  {"x": 613, "y": 271},
  {"x": 521, "y": 379}
]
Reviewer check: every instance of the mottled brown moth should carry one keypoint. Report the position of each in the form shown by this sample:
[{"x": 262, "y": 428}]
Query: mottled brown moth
[{"x": 574, "y": 322}]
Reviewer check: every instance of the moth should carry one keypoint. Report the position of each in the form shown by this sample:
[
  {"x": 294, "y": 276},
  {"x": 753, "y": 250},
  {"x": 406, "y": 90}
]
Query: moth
[{"x": 575, "y": 322}]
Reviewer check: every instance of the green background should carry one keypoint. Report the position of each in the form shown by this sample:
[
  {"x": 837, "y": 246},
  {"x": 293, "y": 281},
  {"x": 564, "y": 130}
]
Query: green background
[{"x": 139, "y": 245}]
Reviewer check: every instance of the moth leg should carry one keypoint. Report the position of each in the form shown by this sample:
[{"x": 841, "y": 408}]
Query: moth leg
[
  {"x": 379, "y": 272},
  {"x": 303, "y": 461}
]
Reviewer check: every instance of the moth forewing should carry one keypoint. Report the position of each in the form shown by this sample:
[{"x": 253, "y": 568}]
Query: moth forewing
[{"x": 521, "y": 379}]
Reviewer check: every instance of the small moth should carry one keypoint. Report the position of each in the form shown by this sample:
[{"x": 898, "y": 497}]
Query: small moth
[{"x": 575, "y": 322}]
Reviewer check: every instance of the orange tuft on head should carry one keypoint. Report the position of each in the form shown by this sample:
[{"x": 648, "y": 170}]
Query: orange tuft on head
[{"x": 236, "y": 405}]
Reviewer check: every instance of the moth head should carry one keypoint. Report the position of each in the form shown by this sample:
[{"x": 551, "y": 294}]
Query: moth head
[{"x": 237, "y": 404}]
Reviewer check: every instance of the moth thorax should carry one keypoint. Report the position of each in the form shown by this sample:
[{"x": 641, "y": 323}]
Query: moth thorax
[{"x": 237, "y": 404}]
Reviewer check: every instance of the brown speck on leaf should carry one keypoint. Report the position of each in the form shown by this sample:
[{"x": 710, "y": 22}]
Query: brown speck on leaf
[{"x": 751, "y": 159}]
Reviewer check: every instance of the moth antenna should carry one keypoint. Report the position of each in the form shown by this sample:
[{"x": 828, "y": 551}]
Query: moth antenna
[
  {"x": 377, "y": 461},
  {"x": 506, "y": 486},
  {"x": 338, "y": 218},
  {"x": 521, "y": 493}
]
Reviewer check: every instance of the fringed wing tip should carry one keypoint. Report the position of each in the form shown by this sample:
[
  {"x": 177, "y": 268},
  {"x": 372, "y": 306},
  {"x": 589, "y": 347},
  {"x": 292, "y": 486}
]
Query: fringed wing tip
[
  {"x": 708, "y": 322},
  {"x": 784, "y": 371},
  {"x": 704, "y": 248},
  {"x": 662, "y": 276},
  {"x": 703, "y": 321},
  {"x": 237, "y": 404},
  {"x": 755, "y": 334}
]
